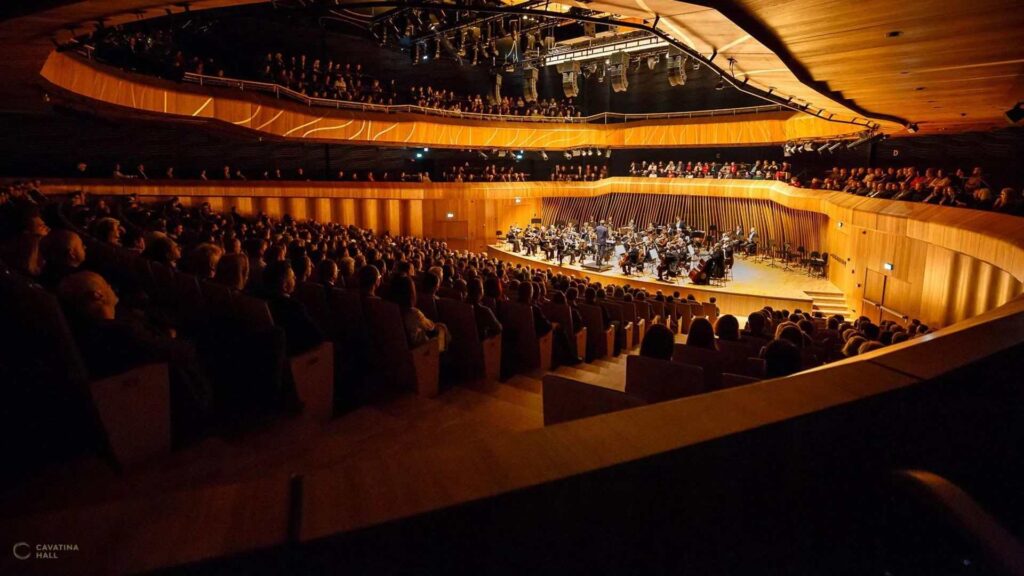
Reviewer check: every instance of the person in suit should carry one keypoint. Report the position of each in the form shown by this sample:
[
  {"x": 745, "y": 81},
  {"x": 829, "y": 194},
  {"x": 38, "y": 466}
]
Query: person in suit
[
  {"x": 112, "y": 343},
  {"x": 601, "y": 240},
  {"x": 487, "y": 324},
  {"x": 301, "y": 332},
  {"x": 752, "y": 240}
]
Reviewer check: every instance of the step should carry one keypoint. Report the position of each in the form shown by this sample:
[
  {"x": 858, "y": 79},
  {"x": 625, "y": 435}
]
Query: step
[
  {"x": 830, "y": 299},
  {"x": 818, "y": 294},
  {"x": 511, "y": 394}
]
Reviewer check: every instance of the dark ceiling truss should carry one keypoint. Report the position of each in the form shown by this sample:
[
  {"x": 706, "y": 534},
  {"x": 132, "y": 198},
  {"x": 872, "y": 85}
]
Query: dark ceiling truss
[{"x": 497, "y": 11}]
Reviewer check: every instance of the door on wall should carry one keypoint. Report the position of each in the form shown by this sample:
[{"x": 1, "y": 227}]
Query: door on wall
[{"x": 874, "y": 295}]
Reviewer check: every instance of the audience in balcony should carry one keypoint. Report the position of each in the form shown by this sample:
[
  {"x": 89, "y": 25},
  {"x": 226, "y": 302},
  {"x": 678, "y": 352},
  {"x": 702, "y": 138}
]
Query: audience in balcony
[
  {"x": 578, "y": 173},
  {"x": 760, "y": 170},
  {"x": 933, "y": 186}
]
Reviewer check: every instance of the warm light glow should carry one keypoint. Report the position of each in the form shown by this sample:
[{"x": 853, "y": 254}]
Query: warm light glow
[{"x": 450, "y": 215}]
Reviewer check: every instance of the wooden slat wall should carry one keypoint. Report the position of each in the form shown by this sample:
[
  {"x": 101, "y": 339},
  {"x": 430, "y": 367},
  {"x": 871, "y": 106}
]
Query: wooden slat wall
[{"x": 774, "y": 222}]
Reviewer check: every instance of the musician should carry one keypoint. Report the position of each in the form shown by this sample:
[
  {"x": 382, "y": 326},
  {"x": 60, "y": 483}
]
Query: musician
[
  {"x": 630, "y": 258},
  {"x": 752, "y": 240},
  {"x": 531, "y": 240}
]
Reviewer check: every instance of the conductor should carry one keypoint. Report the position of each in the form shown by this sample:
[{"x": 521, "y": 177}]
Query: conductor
[{"x": 600, "y": 241}]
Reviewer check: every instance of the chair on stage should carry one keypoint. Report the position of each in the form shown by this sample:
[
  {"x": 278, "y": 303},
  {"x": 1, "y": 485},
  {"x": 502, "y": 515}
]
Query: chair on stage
[{"x": 816, "y": 264}]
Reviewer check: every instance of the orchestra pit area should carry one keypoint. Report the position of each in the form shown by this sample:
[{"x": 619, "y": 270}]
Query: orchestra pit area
[{"x": 310, "y": 287}]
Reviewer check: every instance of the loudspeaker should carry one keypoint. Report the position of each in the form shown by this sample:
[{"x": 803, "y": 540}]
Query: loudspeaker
[
  {"x": 535, "y": 220},
  {"x": 676, "y": 71},
  {"x": 494, "y": 96},
  {"x": 530, "y": 87},
  {"x": 617, "y": 71},
  {"x": 569, "y": 85},
  {"x": 590, "y": 29}
]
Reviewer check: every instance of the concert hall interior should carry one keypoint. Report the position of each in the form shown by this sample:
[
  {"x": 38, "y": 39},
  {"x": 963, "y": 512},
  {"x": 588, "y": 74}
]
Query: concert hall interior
[{"x": 407, "y": 286}]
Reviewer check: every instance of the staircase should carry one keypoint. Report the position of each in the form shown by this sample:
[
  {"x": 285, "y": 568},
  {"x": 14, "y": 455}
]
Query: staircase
[{"x": 829, "y": 303}]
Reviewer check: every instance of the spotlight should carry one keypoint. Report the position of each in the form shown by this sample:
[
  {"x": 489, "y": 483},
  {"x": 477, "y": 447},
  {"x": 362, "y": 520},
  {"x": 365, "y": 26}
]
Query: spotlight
[
  {"x": 544, "y": 155},
  {"x": 823, "y": 148},
  {"x": 519, "y": 156},
  {"x": 568, "y": 155},
  {"x": 787, "y": 151},
  {"x": 696, "y": 64},
  {"x": 721, "y": 84},
  {"x": 652, "y": 61},
  {"x": 1015, "y": 114},
  {"x": 808, "y": 147},
  {"x": 835, "y": 146},
  {"x": 419, "y": 155},
  {"x": 608, "y": 153},
  {"x": 912, "y": 128}
]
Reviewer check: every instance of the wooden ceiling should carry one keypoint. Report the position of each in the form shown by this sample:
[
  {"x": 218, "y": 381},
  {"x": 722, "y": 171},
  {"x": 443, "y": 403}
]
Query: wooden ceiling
[{"x": 953, "y": 65}]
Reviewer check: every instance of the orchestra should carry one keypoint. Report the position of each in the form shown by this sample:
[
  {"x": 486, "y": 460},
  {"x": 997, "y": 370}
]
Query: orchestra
[{"x": 671, "y": 252}]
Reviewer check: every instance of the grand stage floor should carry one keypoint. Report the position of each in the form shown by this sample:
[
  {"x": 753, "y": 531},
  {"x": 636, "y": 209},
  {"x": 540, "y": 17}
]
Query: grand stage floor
[{"x": 753, "y": 284}]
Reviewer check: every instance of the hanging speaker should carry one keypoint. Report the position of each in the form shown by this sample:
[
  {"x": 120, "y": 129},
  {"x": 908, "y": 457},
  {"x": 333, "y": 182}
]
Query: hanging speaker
[
  {"x": 569, "y": 85},
  {"x": 617, "y": 71},
  {"x": 494, "y": 97},
  {"x": 676, "y": 71},
  {"x": 530, "y": 87}
]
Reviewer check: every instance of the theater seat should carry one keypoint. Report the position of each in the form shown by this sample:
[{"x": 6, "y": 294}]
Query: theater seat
[
  {"x": 654, "y": 380},
  {"x": 471, "y": 358},
  {"x": 566, "y": 399},
  {"x": 600, "y": 338},
  {"x": 712, "y": 361}
]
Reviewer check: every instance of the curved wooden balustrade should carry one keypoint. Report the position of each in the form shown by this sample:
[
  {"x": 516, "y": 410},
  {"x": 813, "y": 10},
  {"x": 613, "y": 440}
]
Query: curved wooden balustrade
[
  {"x": 282, "y": 118},
  {"x": 129, "y": 536}
]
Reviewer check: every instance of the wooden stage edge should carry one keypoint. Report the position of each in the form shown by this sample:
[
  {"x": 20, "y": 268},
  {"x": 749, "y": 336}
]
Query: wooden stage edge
[{"x": 729, "y": 301}]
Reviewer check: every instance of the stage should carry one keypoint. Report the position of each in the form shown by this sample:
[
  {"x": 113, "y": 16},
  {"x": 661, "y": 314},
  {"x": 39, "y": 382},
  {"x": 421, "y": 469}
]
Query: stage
[{"x": 753, "y": 286}]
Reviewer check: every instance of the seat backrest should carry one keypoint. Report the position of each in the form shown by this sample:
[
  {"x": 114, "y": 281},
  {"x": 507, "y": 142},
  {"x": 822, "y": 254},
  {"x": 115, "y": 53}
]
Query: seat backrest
[
  {"x": 520, "y": 343},
  {"x": 643, "y": 311},
  {"x": 390, "y": 361},
  {"x": 710, "y": 311},
  {"x": 566, "y": 399},
  {"x": 217, "y": 297},
  {"x": 712, "y": 361},
  {"x": 428, "y": 305},
  {"x": 560, "y": 313},
  {"x": 314, "y": 297},
  {"x": 593, "y": 320},
  {"x": 165, "y": 289},
  {"x": 654, "y": 380},
  {"x": 736, "y": 350},
  {"x": 466, "y": 350},
  {"x": 46, "y": 404},
  {"x": 730, "y": 380},
  {"x": 252, "y": 312},
  {"x": 658, "y": 309},
  {"x": 615, "y": 312}
]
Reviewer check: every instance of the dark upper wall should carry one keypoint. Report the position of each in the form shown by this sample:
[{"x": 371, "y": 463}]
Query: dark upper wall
[{"x": 245, "y": 35}]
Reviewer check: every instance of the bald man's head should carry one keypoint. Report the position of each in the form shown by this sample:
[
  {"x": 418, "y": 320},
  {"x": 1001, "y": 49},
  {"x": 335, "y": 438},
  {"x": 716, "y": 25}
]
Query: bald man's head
[
  {"x": 63, "y": 249},
  {"x": 88, "y": 295}
]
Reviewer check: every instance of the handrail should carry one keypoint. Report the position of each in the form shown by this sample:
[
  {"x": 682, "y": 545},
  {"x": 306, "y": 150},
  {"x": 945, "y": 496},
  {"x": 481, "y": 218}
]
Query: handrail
[{"x": 604, "y": 117}]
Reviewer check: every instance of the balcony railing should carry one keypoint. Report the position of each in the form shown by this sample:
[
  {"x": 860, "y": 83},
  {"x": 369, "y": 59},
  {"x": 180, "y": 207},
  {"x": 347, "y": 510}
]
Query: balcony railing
[{"x": 603, "y": 118}]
